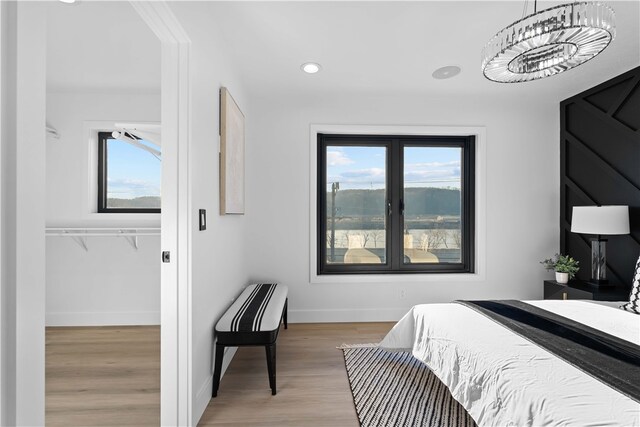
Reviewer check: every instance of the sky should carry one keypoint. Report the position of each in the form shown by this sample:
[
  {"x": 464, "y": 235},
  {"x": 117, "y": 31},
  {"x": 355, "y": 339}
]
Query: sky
[
  {"x": 132, "y": 172},
  {"x": 364, "y": 167}
]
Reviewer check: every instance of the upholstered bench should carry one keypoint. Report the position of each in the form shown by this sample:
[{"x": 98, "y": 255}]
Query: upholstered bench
[{"x": 252, "y": 320}]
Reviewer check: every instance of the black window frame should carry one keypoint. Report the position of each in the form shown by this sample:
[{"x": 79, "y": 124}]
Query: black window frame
[
  {"x": 395, "y": 216},
  {"x": 103, "y": 138}
]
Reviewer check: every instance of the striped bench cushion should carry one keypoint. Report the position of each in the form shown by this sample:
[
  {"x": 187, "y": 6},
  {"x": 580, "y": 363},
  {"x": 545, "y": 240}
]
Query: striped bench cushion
[{"x": 258, "y": 308}]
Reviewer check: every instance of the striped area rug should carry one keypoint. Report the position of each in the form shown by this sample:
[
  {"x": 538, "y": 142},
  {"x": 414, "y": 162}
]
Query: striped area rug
[{"x": 396, "y": 389}]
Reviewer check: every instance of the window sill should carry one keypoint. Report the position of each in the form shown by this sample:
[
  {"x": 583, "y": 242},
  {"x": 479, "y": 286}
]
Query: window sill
[{"x": 396, "y": 278}]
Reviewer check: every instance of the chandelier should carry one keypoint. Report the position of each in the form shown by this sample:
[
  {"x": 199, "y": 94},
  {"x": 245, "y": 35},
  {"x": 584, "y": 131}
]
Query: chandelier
[{"x": 548, "y": 42}]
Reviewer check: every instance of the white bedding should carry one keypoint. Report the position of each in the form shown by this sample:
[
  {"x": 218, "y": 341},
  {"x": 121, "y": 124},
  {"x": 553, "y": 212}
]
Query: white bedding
[{"x": 503, "y": 379}]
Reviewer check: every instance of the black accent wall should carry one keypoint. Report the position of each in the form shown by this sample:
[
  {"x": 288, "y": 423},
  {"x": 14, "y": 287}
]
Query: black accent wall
[{"x": 600, "y": 165}]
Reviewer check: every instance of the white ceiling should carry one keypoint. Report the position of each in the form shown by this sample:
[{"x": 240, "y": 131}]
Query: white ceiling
[
  {"x": 386, "y": 47},
  {"x": 382, "y": 47},
  {"x": 100, "y": 46}
]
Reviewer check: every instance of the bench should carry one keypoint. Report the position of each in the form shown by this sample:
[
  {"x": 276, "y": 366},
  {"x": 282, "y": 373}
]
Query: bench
[{"x": 252, "y": 320}]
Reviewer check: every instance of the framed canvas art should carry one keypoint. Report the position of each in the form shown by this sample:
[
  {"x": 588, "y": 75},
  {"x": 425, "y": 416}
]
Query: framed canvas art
[{"x": 231, "y": 155}]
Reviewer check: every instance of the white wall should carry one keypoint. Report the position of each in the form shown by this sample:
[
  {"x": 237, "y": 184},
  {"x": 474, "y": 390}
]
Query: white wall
[
  {"x": 219, "y": 263},
  {"x": 69, "y": 178},
  {"x": 111, "y": 283},
  {"x": 522, "y": 199},
  {"x": 7, "y": 214},
  {"x": 25, "y": 215}
]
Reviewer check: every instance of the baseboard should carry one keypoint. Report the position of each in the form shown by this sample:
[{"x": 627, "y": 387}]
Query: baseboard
[
  {"x": 103, "y": 318},
  {"x": 347, "y": 315},
  {"x": 203, "y": 396}
]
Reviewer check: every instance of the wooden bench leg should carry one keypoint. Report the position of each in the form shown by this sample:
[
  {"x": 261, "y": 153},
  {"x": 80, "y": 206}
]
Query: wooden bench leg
[
  {"x": 271, "y": 366},
  {"x": 286, "y": 311},
  {"x": 218, "y": 368}
]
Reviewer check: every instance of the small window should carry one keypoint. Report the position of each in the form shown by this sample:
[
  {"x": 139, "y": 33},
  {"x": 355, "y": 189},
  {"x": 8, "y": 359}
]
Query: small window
[
  {"x": 129, "y": 171},
  {"x": 395, "y": 204}
]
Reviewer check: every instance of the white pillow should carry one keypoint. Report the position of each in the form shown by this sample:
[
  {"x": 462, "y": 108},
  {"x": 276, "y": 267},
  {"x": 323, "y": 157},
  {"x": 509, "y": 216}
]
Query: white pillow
[{"x": 634, "y": 298}]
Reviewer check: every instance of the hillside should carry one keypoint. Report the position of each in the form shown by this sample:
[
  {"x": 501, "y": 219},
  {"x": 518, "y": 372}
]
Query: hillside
[
  {"x": 419, "y": 202},
  {"x": 138, "y": 202}
]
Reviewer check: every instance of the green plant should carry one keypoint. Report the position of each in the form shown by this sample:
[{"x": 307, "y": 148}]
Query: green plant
[{"x": 562, "y": 264}]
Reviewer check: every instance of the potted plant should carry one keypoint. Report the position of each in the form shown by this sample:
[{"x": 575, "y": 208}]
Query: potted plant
[{"x": 565, "y": 267}]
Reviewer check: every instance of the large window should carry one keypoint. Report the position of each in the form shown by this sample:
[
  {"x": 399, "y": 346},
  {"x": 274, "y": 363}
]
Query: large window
[
  {"x": 395, "y": 204},
  {"x": 129, "y": 171}
]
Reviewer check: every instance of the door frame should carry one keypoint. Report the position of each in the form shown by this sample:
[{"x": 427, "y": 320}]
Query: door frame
[
  {"x": 29, "y": 326},
  {"x": 175, "y": 348}
]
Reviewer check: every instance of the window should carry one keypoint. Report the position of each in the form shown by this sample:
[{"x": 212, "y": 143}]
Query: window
[
  {"x": 395, "y": 204},
  {"x": 129, "y": 171}
]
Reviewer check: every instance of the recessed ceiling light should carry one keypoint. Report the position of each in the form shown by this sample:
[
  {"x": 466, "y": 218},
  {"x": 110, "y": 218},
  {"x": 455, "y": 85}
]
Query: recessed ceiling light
[
  {"x": 67, "y": 1},
  {"x": 446, "y": 72},
  {"x": 310, "y": 67}
]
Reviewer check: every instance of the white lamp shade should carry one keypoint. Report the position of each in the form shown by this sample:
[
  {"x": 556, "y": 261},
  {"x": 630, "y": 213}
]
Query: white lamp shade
[{"x": 600, "y": 220}]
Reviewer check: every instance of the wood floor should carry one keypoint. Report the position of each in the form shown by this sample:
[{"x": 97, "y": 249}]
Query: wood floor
[
  {"x": 111, "y": 376},
  {"x": 313, "y": 389},
  {"x": 103, "y": 376}
]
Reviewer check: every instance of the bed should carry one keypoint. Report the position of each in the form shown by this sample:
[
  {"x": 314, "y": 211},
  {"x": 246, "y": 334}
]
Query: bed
[{"x": 504, "y": 379}]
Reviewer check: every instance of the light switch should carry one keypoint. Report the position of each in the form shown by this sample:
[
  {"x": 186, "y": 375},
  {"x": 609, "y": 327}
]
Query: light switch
[{"x": 203, "y": 219}]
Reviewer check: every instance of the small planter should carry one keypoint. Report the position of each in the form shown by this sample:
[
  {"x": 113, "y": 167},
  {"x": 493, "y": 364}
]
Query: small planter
[{"x": 562, "y": 278}]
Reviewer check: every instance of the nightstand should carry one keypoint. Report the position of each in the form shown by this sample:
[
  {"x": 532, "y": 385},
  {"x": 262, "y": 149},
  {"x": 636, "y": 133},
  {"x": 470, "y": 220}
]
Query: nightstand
[{"x": 580, "y": 290}]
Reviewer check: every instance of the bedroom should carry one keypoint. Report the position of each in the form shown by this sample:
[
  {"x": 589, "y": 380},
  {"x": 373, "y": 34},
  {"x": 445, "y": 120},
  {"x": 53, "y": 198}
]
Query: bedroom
[{"x": 371, "y": 80}]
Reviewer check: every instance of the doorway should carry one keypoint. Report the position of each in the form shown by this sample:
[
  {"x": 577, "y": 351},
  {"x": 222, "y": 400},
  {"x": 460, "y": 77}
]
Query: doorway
[
  {"x": 174, "y": 309},
  {"x": 103, "y": 197}
]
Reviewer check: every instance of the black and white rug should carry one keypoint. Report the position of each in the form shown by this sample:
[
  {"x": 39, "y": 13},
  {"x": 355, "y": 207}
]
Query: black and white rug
[{"x": 396, "y": 389}]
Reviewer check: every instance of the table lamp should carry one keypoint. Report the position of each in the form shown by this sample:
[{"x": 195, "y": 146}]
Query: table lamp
[{"x": 600, "y": 220}]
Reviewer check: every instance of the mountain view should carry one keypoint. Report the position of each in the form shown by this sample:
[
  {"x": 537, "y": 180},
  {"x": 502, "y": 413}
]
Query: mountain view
[
  {"x": 367, "y": 207},
  {"x": 136, "y": 202}
]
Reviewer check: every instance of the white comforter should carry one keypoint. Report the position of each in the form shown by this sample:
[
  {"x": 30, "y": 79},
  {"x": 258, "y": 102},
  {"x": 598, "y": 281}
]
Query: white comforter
[{"x": 503, "y": 379}]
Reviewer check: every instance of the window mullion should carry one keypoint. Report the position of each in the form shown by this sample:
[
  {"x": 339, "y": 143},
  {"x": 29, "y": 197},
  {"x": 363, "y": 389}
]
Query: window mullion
[{"x": 395, "y": 186}]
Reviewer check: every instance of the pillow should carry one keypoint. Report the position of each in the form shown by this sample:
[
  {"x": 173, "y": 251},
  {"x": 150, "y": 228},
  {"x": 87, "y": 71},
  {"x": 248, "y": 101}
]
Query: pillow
[{"x": 634, "y": 298}]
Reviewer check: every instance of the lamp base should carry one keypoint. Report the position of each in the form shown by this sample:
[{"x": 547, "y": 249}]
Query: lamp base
[{"x": 598, "y": 262}]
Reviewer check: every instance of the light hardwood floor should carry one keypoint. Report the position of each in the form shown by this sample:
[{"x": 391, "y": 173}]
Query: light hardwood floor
[
  {"x": 313, "y": 389},
  {"x": 111, "y": 376},
  {"x": 99, "y": 376}
]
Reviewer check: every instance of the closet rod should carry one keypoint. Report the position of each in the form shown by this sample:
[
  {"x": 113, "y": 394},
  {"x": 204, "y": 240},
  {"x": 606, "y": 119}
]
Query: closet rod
[{"x": 91, "y": 232}]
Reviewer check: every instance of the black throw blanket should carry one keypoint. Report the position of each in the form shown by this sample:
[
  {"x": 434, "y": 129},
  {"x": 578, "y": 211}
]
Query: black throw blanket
[{"x": 612, "y": 360}]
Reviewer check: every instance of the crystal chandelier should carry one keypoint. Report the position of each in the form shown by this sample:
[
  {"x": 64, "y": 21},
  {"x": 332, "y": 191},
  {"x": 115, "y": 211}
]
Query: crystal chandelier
[{"x": 548, "y": 42}]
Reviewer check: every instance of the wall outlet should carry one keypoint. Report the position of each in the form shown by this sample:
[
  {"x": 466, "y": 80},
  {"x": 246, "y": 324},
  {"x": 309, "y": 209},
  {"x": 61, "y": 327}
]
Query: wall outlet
[{"x": 403, "y": 294}]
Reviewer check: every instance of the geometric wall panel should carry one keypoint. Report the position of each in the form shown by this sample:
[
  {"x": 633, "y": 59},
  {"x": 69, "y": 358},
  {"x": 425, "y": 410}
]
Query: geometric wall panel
[
  {"x": 600, "y": 165},
  {"x": 603, "y": 100},
  {"x": 628, "y": 111}
]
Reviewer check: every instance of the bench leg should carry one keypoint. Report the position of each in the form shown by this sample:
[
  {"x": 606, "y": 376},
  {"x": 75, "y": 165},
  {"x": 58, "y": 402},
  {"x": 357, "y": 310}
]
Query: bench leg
[
  {"x": 286, "y": 311},
  {"x": 271, "y": 366},
  {"x": 218, "y": 368}
]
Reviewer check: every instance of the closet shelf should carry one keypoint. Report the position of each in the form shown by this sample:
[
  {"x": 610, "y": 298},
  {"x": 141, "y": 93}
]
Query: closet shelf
[{"x": 79, "y": 235}]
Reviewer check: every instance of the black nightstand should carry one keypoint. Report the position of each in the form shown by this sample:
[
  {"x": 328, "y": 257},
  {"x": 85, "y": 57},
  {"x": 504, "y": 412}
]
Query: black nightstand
[{"x": 581, "y": 290}]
